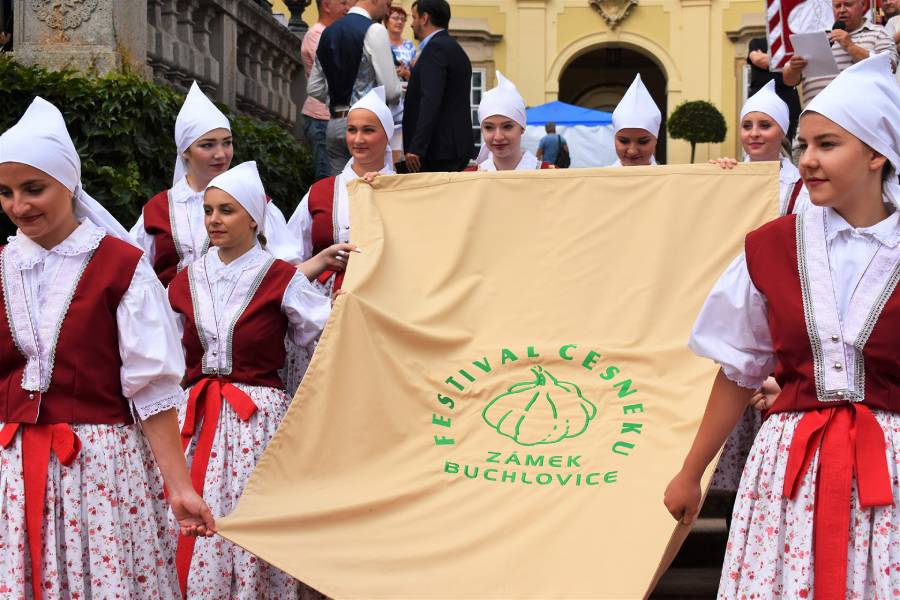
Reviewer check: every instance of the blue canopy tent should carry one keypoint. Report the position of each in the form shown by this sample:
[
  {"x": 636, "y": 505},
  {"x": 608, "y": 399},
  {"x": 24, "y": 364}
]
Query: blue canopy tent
[
  {"x": 588, "y": 132},
  {"x": 566, "y": 114}
]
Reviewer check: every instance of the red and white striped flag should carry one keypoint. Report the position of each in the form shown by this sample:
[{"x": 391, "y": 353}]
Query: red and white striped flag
[{"x": 784, "y": 17}]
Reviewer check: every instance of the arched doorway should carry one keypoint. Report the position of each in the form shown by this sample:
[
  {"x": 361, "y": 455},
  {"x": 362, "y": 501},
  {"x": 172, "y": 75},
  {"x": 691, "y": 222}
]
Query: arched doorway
[{"x": 598, "y": 79}]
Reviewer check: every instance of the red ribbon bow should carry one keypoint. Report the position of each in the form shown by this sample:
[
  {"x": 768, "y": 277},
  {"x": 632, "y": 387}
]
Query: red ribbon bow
[
  {"x": 37, "y": 442},
  {"x": 206, "y": 398},
  {"x": 848, "y": 439}
]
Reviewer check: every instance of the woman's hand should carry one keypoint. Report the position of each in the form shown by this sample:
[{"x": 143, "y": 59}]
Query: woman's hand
[
  {"x": 765, "y": 396},
  {"x": 333, "y": 258},
  {"x": 193, "y": 514},
  {"x": 682, "y": 497},
  {"x": 724, "y": 162},
  {"x": 370, "y": 177}
]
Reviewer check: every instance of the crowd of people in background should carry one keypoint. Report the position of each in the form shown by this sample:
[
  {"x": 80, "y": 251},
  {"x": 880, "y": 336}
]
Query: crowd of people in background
[{"x": 202, "y": 319}]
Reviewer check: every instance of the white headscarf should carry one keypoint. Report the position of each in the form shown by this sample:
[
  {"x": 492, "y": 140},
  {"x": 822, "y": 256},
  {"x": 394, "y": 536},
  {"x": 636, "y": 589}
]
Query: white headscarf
[
  {"x": 637, "y": 110},
  {"x": 41, "y": 140},
  {"x": 244, "y": 185},
  {"x": 198, "y": 116},
  {"x": 768, "y": 102},
  {"x": 374, "y": 102},
  {"x": 503, "y": 100},
  {"x": 865, "y": 100}
]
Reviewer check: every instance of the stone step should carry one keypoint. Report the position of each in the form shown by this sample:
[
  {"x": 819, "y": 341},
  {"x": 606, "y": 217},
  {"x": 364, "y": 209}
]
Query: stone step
[
  {"x": 694, "y": 574},
  {"x": 687, "y": 584}
]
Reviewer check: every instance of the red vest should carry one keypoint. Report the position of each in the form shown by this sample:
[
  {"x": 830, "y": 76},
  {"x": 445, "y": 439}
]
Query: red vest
[
  {"x": 321, "y": 209},
  {"x": 158, "y": 223},
  {"x": 771, "y": 253},
  {"x": 85, "y": 386},
  {"x": 258, "y": 338}
]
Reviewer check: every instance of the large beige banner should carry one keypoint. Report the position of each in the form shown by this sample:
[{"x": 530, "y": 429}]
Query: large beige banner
[{"x": 504, "y": 389}]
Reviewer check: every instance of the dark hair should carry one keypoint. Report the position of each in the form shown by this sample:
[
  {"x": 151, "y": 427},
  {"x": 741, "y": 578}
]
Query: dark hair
[
  {"x": 886, "y": 170},
  {"x": 437, "y": 10},
  {"x": 262, "y": 239}
]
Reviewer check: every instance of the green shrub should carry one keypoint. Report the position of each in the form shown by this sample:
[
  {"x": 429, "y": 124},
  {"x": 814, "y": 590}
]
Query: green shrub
[
  {"x": 698, "y": 122},
  {"x": 123, "y": 127}
]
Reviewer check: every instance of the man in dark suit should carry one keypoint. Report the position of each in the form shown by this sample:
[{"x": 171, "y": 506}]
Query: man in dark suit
[{"x": 437, "y": 117}]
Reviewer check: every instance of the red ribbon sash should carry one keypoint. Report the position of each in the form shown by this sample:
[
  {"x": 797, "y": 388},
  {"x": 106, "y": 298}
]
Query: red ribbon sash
[
  {"x": 848, "y": 439},
  {"x": 37, "y": 443},
  {"x": 206, "y": 399}
]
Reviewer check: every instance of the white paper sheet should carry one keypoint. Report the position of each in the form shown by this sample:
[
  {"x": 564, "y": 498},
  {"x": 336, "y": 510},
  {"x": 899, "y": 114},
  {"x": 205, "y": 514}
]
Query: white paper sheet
[{"x": 816, "y": 49}]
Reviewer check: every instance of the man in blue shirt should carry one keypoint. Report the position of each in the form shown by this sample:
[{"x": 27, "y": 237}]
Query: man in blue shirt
[{"x": 548, "y": 149}]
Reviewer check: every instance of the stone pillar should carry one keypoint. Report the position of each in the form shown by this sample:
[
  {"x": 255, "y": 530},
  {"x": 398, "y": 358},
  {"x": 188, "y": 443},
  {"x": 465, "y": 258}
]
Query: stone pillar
[
  {"x": 85, "y": 35},
  {"x": 297, "y": 25}
]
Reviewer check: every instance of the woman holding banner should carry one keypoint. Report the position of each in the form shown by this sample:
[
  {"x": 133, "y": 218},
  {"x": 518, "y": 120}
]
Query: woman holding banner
[
  {"x": 91, "y": 366},
  {"x": 814, "y": 297},
  {"x": 502, "y": 117},
  {"x": 233, "y": 297},
  {"x": 322, "y": 219},
  {"x": 636, "y": 122},
  {"x": 765, "y": 118}
]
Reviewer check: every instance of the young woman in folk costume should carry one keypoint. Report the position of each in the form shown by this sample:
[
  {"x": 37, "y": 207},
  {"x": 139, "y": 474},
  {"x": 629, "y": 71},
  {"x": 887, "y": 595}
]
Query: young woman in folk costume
[
  {"x": 636, "y": 122},
  {"x": 234, "y": 304},
  {"x": 322, "y": 218},
  {"x": 502, "y": 117},
  {"x": 814, "y": 296},
  {"x": 765, "y": 118},
  {"x": 170, "y": 228},
  {"x": 88, "y": 347}
]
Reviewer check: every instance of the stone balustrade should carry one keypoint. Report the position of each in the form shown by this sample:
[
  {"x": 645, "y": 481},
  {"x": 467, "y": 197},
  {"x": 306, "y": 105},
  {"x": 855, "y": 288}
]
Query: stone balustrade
[{"x": 235, "y": 49}]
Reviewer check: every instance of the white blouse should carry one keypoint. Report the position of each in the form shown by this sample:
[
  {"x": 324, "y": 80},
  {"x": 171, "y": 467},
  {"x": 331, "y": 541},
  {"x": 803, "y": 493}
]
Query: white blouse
[
  {"x": 847, "y": 270},
  {"x": 223, "y": 291},
  {"x": 189, "y": 228},
  {"x": 40, "y": 284},
  {"x": 528, "y": 162},
  {"x": 618, "y": 162},
  {"x": 300, "y": 224},
  {"x": 788, "y": 175}
]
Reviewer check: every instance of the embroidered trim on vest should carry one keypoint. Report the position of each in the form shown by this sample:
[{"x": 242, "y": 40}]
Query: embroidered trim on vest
[
  {"x": 201, "y": 315},
  {"x": 835, "y": 363},
  {"x": 173, "y": 220},
  {"x": 26, "y": 340},
  {"x": 335, "y": 225}
]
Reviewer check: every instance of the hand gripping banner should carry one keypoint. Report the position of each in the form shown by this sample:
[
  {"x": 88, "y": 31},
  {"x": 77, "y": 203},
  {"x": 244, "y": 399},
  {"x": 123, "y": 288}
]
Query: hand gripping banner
[{"x": 503, "y": 390}]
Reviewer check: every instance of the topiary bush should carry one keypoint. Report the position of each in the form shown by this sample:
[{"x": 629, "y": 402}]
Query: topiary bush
[
  {"x": 123, "y": 127},
  {"x": 698, "y": 122}
]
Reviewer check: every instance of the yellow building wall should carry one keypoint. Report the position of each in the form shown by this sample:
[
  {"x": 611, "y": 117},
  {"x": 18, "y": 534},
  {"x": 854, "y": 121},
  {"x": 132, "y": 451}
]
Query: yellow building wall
[{"x": 686, "y": 38}]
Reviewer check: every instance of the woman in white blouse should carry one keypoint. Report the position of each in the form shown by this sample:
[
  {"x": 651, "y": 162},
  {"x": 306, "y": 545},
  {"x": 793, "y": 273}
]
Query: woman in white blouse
[
  {"x": 235, "y": 303},
  {"x": 814, "y": 297},
  {"x": 170, "y": 228},
  {"x": 503, "y": 120},
  {"x": 88, "y": 348},
  {"x": 322, "y": 218},
  {"x": 636, "y": 123},
  {"x": 765, "y": 119}
]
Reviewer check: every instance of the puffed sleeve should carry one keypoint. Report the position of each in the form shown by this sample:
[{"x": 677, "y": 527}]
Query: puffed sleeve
[
  {"x": 733, "y": 330},
  {"x": 300, "y": 226},
  {"x": 306, "y": 310},
  {"x": 150, "y": 346},
  {"x": 144, "y": 240},
  {"x": 279, "y": 239}
]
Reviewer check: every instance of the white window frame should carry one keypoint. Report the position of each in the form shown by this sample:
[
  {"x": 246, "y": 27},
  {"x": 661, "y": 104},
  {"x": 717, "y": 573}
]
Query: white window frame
[{"x": 476, "y": 128}]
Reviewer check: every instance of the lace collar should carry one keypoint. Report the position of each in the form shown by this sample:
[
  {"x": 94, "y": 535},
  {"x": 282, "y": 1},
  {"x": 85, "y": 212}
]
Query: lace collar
[
  {"x": 886, "y": 232},
  {"x": 216, "y": 270},
  {"x": 25, "y": 253}
]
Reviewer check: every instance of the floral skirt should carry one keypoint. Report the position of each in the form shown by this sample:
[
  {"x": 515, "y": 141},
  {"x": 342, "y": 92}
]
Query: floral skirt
[
  {"x": 770, "y": 545},
  {"x": 298, "y": 357},
  {"x": 219, "y": 568},
  {"x": 727, "y": 475},
  {"x": 104, "y": 526}
]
